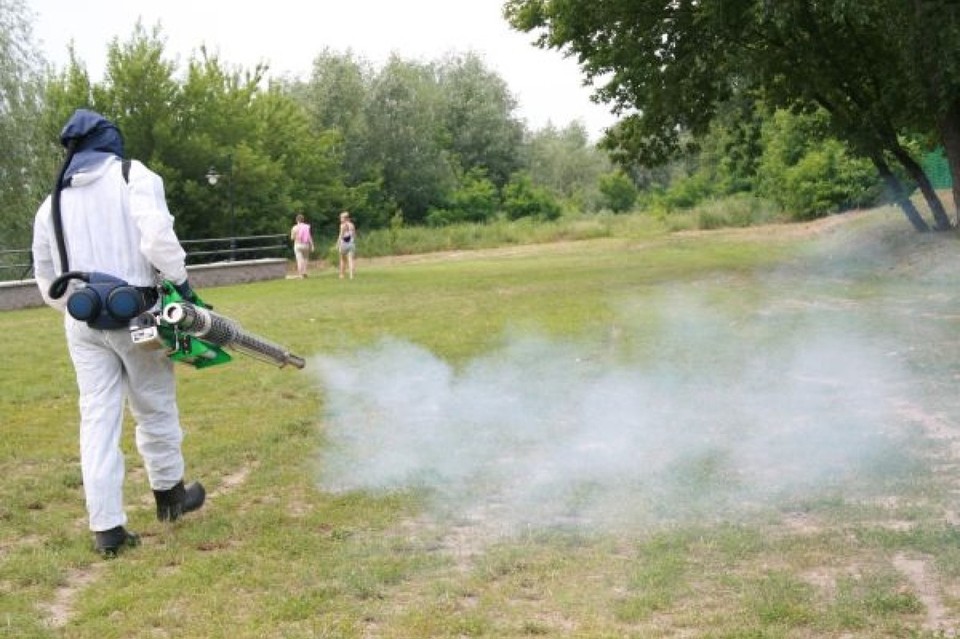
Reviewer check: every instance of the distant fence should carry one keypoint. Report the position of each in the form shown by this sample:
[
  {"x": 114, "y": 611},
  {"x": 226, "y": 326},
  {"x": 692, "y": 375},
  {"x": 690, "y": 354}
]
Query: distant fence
[
  {"x": 250, "y": 247},
  {"x": 17, "y": 264},
  {"x": 210, "y": 262}
]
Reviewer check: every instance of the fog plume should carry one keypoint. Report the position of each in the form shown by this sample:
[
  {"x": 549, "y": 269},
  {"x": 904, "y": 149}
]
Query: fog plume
[{"x": 701, "y": 413}]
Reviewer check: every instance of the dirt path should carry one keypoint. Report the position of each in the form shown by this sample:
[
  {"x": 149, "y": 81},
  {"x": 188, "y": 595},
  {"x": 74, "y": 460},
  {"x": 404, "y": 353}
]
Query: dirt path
[
  {"x": 928, "y": 589},
  {"x": 58, "y": 612},
  {"x": 812, "y": 228}
]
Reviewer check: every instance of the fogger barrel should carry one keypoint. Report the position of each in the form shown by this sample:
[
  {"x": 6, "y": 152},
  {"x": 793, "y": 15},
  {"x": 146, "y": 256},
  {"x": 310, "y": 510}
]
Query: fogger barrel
[{"x": 222, "y": 331}]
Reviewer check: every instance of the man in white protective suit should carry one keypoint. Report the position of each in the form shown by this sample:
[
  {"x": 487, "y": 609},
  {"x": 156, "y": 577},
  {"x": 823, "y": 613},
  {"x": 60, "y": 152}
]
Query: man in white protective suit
[{"x": 107, "y": 221}]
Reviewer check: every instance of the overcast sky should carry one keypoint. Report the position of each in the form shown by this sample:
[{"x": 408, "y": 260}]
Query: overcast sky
[{"x": 288, "y": 34}]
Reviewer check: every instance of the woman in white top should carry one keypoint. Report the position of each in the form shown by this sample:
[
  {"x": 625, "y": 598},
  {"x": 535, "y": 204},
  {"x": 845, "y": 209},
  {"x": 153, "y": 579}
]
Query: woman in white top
[{"x": 346, "y": 244}]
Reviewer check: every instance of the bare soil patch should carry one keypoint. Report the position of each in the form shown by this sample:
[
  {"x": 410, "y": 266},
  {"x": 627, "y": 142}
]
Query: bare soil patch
[{"x": 58, "y": 612}]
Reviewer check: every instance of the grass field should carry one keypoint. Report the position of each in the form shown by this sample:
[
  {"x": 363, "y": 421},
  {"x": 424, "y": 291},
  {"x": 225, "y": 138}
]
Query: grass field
[{"x": 733, "y": 434}]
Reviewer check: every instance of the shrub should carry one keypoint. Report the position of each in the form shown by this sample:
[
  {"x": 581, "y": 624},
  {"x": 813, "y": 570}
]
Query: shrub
[
  {"x": 619, "y": 192},
  {"x": 474, "y": 201},
  {"x": 808, "y": 173},
  {"x": 522, "y": 199},
  {"x": 689, "y": 191}
]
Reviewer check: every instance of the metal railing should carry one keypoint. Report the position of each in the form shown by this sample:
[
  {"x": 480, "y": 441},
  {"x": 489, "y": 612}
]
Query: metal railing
[
  {"x": 222, "y": 249},
  {"x": 17, "y": 264}
]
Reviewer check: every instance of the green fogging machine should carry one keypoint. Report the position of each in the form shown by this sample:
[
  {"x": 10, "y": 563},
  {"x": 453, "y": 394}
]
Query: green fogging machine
[{"x": 192, "y": 333}]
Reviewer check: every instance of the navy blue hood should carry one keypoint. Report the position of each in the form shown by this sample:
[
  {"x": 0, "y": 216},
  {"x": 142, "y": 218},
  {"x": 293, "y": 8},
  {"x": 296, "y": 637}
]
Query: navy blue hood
[{"x": 94, "y": 138}]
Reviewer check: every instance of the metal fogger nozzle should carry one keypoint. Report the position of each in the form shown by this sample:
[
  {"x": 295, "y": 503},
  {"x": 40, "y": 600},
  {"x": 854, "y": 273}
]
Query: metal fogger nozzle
[{"x": 223, "y": 331}]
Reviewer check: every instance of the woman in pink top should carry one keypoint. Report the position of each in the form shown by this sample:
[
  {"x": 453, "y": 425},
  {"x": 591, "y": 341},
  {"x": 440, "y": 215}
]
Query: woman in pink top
[{"x": 302, "y": 244}]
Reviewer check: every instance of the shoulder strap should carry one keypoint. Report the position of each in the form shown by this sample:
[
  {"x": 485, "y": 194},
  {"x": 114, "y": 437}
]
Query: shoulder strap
[
  {"x": 125, "y": 168},
  {"x": 55, "y": 207}
]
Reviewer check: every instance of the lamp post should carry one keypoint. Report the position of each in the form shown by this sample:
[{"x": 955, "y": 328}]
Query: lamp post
[{"x": 213, "y": 177}]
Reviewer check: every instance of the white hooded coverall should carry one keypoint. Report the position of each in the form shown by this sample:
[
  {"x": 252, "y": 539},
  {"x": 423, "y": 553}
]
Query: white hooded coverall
[{"x": 125, "y": 230}]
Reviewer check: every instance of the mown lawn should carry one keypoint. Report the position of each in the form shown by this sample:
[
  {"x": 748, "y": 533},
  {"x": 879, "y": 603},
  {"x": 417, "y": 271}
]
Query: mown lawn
[{"x": 726, "y": 434}]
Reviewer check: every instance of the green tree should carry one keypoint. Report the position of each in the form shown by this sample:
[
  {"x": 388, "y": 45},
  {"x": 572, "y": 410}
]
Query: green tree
[
  {"x": 336, "y": 91},
  {"x": 619, "y": 192},
  {"x": 139, "y": 90},
  {"x": 522, "y": 198},
  {"x": 807, "y": 172},
  {"x": 408, "y": 130},
  {"x": 405, "y": 136},
  {"x": 731, "y": 149},
  {"x": 259, "y": 140},
  {"x": 169, "y": 125},
  {"x": 565, "y": 162},
  {"x": 334, "y": 97},
  {"x": 477, "y": 112},
  {"x": 668, "y": 65},
  {"x": 828, "y": 56},
  {"x": 65, "y": 92},
  {"x": 28, "y": 160},
  {"x": 303, "y": 169},
  {"x": 475, "y": 200}
]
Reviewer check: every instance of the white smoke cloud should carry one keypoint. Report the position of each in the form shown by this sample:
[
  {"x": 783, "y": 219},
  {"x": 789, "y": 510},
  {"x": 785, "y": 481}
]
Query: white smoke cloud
[{"x": 699, "y": 413}]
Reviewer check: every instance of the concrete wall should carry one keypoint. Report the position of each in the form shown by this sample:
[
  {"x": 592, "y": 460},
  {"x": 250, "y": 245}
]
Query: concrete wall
[{"x": 24, "y": 293}]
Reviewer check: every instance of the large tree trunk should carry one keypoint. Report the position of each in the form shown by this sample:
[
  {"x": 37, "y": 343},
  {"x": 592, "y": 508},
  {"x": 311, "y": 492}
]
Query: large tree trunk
[
  {"x": 950, "y": 137},
  {"x": 940, "y": 218},
  {"x": 900, "y": 195}
]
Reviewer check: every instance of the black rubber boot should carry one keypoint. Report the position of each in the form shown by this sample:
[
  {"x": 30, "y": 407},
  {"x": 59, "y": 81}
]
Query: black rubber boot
[
  {"x": 179, "y": 500},
  {"x": 109, "y": 543}
]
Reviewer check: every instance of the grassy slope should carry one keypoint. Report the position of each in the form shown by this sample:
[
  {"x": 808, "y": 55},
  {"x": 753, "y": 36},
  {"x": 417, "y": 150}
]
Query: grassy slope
[{"x": 275, "y": 555}]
